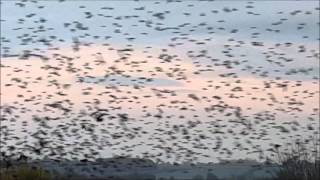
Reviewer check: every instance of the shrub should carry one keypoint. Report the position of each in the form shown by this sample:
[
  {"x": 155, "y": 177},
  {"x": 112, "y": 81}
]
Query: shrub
[
  {"x": 299, "y": 162},
  {"x": 24, "y": 173}
]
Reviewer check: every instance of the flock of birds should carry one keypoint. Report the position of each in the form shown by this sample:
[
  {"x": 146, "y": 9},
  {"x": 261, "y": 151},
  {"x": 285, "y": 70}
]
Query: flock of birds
[{"x": 153, "y": 87}]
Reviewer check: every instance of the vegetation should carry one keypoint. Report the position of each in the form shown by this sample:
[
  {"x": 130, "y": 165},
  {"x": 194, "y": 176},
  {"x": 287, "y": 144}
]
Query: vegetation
[
  {"x": 24, "y": 173},
  {"x": 299, "y": 162}
]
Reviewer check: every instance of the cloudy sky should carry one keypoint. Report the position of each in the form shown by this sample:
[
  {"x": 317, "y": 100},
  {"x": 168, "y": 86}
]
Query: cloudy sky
[{"x": 146, "y": 58}]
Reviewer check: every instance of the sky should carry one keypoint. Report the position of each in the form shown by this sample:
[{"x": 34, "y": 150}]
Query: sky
[{"x": 199, "y": 38}]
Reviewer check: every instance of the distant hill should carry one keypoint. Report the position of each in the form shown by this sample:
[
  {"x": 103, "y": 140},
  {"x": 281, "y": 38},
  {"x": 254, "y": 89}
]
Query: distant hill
[
  {"x": 130, "y": 168},
  {"x": 127, "y": 162}
]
